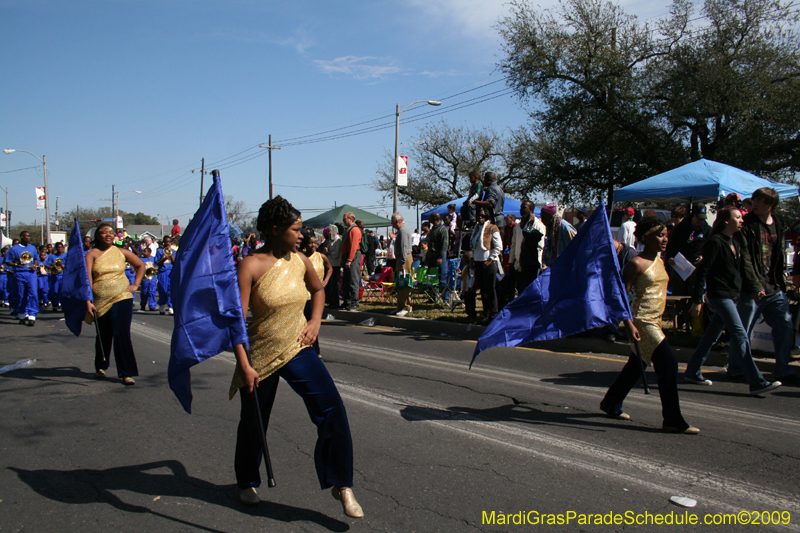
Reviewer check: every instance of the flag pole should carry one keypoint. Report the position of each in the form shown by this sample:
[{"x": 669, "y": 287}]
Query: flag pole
[
  {"x": 262, "y": 432},
  {"x": 641, "y": 365},
  {"x": 99, "y": 338}
]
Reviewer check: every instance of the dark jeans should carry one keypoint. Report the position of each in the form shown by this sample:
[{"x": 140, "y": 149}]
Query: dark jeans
[
  {"x": 487, "y": 277},
  {"x": 333, "y": 453},
  {"x": 115, "y": 327},
  {"x": 350, "y": 280},
  {"x": 370, "y": 260},
  {"x": 332, "y": 289},
  {"x": 666, "y": 366}
]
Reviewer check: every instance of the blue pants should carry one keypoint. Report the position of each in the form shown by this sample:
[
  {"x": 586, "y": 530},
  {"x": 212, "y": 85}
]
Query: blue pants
[
  {"x": 148, "y": 290},
  {"x": 163, "y": 289},
  {"x": 775, "y": 310},
  {"x": 3, "y": 287},
  {"x": 308, "y": 377},
  {"x": 55, "y": 287},
  {"x": 13, "y": 292},
  {"x": 43, "y": 285},
  {"x": 666, "y": 366},
  {"x": 115, "y": 328},
  {"x": 27, "y": 286}
]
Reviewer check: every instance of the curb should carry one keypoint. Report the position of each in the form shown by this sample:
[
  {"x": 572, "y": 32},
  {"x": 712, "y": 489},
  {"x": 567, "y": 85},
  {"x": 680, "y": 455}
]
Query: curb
[{"x": 580, "y": 345}]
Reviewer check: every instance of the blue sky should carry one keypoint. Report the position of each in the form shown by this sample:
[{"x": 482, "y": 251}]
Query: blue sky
[{"x": 133, "y": 93}]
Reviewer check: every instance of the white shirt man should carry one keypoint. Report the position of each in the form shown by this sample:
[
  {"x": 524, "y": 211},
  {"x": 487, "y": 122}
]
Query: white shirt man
[{"x": 625, "y": 232}]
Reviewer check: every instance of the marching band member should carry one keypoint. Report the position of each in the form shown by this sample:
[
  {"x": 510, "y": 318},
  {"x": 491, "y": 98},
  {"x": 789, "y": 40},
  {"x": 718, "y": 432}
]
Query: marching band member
[
  {"x": 55, "y": 268},
  {"x": 163, "y": 260},
  {"x": 148, "y": 288},
  {"x": 3, "y": 278},
  {"x": 21, "y": 261},
  {"x": 275, "y": 282},
  {"x": 42, "y": 279},
  {"x": 113, "y": 303}
]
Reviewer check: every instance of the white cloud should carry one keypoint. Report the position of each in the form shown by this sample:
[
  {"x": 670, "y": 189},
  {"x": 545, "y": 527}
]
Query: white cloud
[
  {"x": 475, "y": 18},
  {"x": 362, "y": 68},
  {"x": 437, "y": 74},
  {"x": 300, "y": 39}
]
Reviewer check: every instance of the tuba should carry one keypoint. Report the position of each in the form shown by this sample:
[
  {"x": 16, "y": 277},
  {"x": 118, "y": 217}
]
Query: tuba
[
  {"x": 150, "y": 272},
  {"x": 25, "y": 258}
]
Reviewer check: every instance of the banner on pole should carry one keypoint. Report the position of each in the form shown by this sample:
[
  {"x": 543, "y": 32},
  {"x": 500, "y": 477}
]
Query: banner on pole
[
  {"x": 402, "y": 170},
  {"x": 119, "y": 222},
  {"x": 39, "y": 197}
]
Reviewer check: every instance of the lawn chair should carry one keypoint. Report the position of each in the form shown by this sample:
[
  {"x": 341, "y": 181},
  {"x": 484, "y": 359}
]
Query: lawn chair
[{"x": 377, "y": 290}]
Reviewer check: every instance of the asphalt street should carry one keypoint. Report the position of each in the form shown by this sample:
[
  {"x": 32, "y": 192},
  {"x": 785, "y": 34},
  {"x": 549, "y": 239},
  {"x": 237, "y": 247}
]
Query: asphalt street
[{"x": 438, "y": 447}]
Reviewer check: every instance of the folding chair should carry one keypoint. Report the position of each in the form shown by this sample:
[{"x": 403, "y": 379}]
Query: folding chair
[{"x": 378, "y": 288}]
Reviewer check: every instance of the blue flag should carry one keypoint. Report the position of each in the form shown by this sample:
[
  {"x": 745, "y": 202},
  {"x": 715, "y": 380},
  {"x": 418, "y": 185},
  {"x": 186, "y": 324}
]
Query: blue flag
[
  {"x": 75, "y": 287},
  {"x": 581, "y": 290},
  {"x": 205, "y": 294}
]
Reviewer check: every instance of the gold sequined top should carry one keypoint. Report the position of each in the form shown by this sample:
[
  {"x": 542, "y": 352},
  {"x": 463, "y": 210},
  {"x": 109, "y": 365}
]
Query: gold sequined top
[
  {"x": 319, "y": 267},
  {"x": 277, "y": 300},
  {"x": 649, "y": 301},
  {"x": 109, "y": 282}
]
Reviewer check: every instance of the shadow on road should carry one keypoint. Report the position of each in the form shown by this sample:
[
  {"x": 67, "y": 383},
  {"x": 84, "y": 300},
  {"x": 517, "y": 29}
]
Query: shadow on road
[
  {"x": 519, "y": 413},
  {"x": 92, "y": 486}
]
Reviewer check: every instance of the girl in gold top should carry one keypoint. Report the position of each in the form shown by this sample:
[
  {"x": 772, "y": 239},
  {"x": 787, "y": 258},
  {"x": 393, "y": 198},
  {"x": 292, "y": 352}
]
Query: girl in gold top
[
  {"x": 113, "y": 302},
  {"x": 646, "y": 277},
  {"x": 275, "y": 282},
  {"x": 322, "y": 266}
]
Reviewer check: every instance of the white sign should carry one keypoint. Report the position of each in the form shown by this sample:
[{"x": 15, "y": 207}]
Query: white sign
[
  {"x": 3, "y": 220},
  {"x": 119, "y": 222},
  {"x": 39, "y": 197},
  {"x": 402, "y": 170}
]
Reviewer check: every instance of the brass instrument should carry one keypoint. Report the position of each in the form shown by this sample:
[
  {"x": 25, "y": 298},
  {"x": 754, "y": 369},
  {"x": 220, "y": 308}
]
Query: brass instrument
[
  {"x": 42, "y": 270},
  {"x": 168, "y": 253},
  {"x": 150, "y": 272},
  {"x": 56, "y": 268},
  {"x": 26, "y": 258}
]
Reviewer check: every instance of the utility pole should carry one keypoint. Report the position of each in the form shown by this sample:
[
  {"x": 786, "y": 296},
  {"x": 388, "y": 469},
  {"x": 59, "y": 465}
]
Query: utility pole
[
  {"x": 57, "y": 226},
  {"x": 270, "y": 148},
  {"x": 203, "y": 173},
  {"x": 112, "y": 201}
]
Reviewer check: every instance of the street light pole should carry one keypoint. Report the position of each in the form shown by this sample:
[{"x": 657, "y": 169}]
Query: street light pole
[
  {"x": 397, "y": 142},
  {"x": 43, "y": 161}
]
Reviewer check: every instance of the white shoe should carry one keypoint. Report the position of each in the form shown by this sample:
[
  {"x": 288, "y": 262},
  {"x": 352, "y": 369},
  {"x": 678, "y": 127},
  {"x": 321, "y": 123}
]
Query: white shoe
[
  {"x": 402, "y": 312},
  {"x": 170, "y": 312}
]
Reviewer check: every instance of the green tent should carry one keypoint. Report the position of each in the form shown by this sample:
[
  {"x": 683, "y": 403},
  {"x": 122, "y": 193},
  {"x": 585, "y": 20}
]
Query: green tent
[{"x": 335, "y": 215}]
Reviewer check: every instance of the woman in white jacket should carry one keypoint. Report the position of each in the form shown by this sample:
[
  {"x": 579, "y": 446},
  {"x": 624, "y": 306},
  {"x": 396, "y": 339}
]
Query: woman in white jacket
[{"x": 527, "y": 246}]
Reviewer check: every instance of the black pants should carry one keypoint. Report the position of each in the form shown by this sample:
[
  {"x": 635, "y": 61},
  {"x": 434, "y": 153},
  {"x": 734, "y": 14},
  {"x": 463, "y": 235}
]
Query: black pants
[
  {"x": 370, "y": 264},
  {"x": 308, "y": 377},
  {"x": 350, "y": 282},
  {"x": 525, "y": 278},
  {"x": 487, "y": 277},
  {"x": 332, "y": 289},
  {"x": 666, "y": 366},
  {"x": 115, "y": 327}
]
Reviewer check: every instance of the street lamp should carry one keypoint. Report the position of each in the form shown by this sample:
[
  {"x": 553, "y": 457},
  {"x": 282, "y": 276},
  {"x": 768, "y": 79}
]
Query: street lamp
[
  {"x": 43, "y": 161},
  {"x": 397, "y": 142}
]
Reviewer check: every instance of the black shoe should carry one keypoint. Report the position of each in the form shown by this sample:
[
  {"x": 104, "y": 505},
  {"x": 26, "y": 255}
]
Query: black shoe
[
  {"x": 789, "y": 379},
  {"x": 30, "y": 323}
]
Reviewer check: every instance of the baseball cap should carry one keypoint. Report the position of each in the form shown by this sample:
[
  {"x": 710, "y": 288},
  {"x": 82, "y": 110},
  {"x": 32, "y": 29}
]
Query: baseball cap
[
  {"x": 630, "y": 211},
  {"x": 584, "y": 211},
  {"x": 549, "y": 209},
  {"x": 699, "y": 211}
]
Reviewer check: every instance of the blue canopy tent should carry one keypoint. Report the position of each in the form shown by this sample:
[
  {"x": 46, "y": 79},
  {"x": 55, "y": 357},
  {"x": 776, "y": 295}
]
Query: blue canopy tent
[
  {"x": 510, "y": 207},
  {"x": 235, "y": 230},
  {"x": 699, "y": 181}
]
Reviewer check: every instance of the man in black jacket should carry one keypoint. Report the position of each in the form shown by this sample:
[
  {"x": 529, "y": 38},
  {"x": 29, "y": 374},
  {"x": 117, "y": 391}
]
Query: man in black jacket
[
  {"x": 688, "y": 239},
  {"x": 764, "y": 234}
]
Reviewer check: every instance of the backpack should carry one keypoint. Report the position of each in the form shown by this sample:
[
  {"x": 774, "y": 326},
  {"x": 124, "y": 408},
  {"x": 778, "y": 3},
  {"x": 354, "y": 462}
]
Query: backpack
[{"x": 364, "y": 246}]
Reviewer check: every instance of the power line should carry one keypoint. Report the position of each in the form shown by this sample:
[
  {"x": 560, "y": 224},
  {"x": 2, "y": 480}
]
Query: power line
[{"x": 18, "y": 170}]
